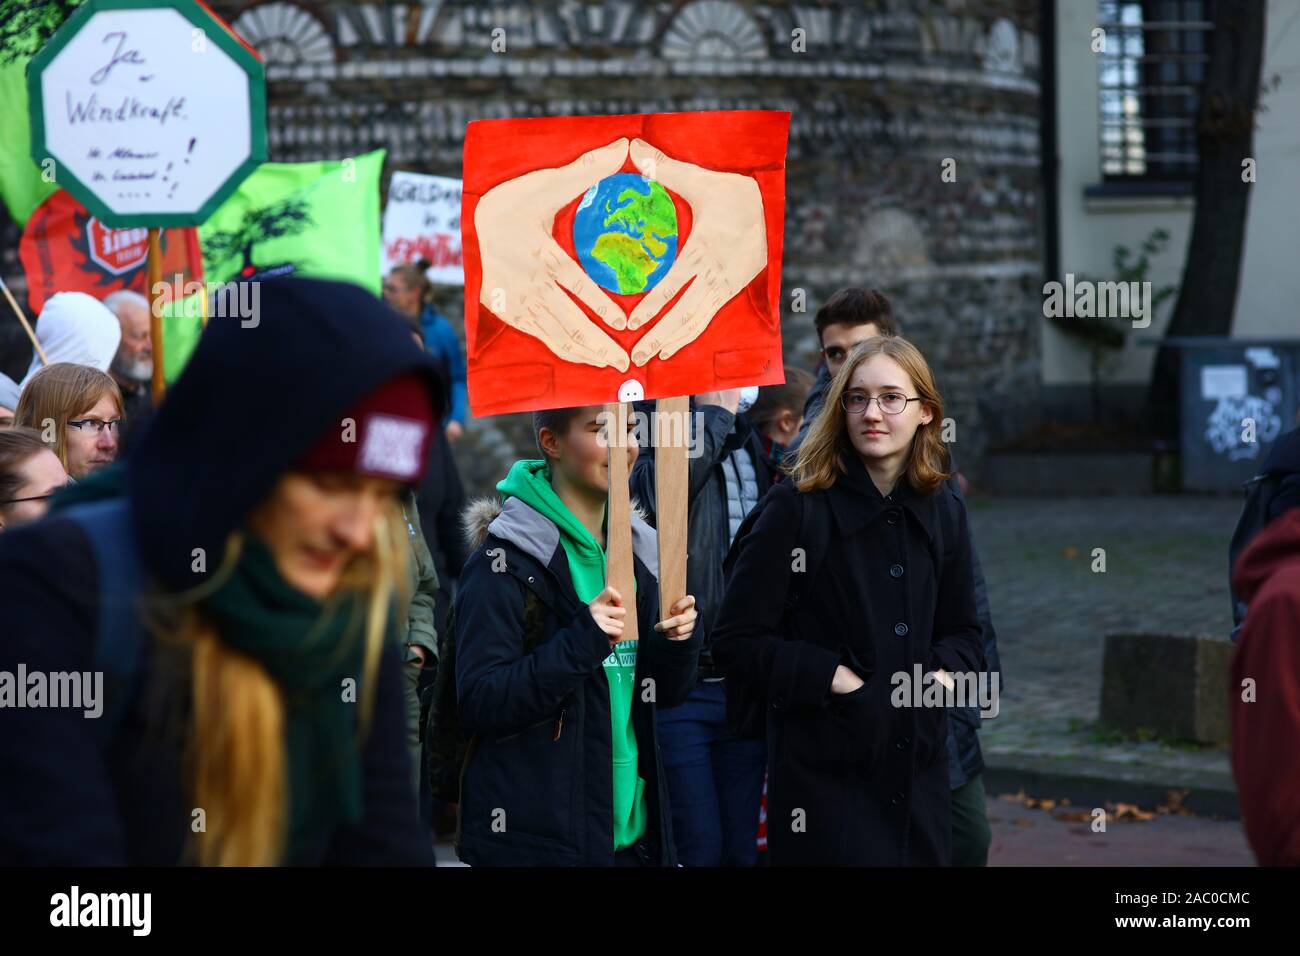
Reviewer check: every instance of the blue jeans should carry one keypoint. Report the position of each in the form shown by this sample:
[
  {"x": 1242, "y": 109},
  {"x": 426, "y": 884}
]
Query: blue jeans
[{"x": 715, "y": 781}]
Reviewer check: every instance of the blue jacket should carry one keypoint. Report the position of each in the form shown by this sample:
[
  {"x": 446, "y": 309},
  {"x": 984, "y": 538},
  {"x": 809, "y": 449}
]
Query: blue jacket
[{"x": 440, "y": 339}]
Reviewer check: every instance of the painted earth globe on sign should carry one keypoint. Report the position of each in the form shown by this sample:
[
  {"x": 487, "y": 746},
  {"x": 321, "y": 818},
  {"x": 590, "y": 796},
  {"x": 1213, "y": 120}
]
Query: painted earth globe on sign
[{"x": 625, "y": 233}]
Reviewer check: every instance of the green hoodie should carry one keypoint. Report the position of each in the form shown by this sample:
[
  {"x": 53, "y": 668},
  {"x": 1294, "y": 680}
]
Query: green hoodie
[{"x": 529, "y": 480}]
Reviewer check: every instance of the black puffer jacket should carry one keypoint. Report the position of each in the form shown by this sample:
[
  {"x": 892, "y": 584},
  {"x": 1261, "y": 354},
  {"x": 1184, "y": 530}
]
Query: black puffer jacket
[{"x": 538, "y": 785}]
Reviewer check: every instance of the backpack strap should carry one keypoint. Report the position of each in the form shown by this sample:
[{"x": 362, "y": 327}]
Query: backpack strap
[
  {"x": 814, "y": 537},
  {"x": 119, "y": 638},
  {"x": 1260, "y": 491}
]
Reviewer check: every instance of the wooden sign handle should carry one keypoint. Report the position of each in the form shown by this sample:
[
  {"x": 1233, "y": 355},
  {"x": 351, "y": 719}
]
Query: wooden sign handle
[
  {"x": 36, "y": 343},
  {"x": 158, "y": 384},
  {"x": 672, "y": 483},
  {"x": 618, "y": 544}
]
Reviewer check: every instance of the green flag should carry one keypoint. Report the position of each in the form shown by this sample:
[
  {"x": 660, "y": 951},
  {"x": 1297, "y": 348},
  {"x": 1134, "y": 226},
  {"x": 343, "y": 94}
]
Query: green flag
[
  {"x": 307, "y": 219},
  {"x": 21, "y": 184},
  {"x": 182, "y": 324}
]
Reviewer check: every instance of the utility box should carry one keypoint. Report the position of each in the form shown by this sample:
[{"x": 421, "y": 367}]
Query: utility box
[{"x": 1238, "y": 396}]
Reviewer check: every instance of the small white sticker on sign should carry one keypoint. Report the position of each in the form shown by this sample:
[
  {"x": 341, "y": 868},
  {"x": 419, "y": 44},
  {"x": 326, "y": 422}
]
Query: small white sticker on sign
[
  {"x": 1262, "y": 357},
  {"x": 1223, "y": 381}
]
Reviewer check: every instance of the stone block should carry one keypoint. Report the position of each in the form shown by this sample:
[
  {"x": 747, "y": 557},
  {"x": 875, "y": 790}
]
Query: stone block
[{"x": 1173, "y": 684}]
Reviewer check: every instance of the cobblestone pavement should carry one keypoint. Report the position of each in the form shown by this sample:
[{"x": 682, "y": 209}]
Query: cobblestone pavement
[{"x": 1166, "y": 570}]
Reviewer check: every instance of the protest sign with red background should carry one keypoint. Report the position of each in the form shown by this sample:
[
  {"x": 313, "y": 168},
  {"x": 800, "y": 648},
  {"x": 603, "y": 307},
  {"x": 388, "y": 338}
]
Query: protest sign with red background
[{"x": 536, "y": 334}]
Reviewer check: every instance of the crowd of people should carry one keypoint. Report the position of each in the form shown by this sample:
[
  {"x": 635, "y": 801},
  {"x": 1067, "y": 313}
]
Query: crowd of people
[{"x": 315, "y": 649}]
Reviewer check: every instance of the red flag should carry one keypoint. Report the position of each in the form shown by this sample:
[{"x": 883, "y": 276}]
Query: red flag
[{"x": 65, "y": 249}]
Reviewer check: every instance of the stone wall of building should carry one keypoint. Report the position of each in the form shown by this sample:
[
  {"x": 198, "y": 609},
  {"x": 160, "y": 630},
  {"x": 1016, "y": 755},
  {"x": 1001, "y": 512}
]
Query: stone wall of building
[{"x": 881, "y": 94}]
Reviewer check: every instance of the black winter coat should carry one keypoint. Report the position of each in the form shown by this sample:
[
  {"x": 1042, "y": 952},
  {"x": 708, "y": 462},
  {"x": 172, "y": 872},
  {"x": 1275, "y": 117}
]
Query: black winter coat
[
  {"x": 708, "y": 534},
  {"x": 852, "y": 780},
  {"x": 538, "y": 786}
]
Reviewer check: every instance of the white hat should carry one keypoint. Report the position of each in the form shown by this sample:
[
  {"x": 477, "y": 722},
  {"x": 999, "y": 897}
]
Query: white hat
[
  {"x": 78, "y": 328},
  {"x": 9, "y": 392}
]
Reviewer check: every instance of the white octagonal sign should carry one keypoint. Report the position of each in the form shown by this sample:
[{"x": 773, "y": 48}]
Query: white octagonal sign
[{"x": 152, "y": 111}]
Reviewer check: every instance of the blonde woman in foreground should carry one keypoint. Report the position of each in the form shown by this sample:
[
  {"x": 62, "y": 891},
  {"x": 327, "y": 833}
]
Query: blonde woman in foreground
[{"x": 237, "y": 582}]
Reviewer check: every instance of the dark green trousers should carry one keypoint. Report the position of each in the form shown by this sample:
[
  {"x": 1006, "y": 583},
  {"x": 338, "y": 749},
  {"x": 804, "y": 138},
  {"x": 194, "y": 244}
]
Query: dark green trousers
[{"x": 971, "y": 835}]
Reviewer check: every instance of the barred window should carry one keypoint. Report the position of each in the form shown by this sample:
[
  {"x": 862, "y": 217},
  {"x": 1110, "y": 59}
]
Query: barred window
[{"x": 1149, "y": 85}]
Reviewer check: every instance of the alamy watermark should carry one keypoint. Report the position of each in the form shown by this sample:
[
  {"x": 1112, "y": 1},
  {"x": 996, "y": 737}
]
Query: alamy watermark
[
  {"x": 226, "y": 300},
  {"x": 133, "y": 911},
  {"x": 662, "y": 429},
  {"x": 1086, "y": 299},
  {"x": 76, "y": 690},
  {"x": 979, "y": 689}
]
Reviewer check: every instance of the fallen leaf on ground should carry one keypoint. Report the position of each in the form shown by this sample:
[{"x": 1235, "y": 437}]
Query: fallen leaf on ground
[
  {"x": 1173, "y": 803},
  {"x": 1131, "y": 811}
]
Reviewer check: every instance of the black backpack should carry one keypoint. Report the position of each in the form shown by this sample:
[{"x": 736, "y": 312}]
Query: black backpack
[
  {"x": 1260, "y": 492},
  {"x": 445, "y": 749}
]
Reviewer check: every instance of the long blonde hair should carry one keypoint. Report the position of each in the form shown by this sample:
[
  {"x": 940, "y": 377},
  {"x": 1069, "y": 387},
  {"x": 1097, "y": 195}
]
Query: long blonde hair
[
  {"x": 818, "y": 461},
  {"x": 58, "y": 393},
  {"x": 236, "y": 747}
]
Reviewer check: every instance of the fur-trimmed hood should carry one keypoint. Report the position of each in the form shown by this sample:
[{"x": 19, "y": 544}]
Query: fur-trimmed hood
[{"x": 535, "y": 534}]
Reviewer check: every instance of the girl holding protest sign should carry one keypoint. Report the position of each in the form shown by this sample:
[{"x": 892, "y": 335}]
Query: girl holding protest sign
[
  {"x": 558, "y": 702},
  {"x": 845, "y": 582}
]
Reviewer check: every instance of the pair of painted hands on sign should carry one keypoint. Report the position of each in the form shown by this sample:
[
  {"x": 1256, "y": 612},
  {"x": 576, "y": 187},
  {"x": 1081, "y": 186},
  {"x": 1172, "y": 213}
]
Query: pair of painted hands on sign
[
  {"x": 609, "y": 614},
  {"x": 525, "y": 271}
]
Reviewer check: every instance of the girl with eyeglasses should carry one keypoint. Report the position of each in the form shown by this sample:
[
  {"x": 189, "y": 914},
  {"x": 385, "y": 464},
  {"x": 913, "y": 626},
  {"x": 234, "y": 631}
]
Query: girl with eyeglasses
[
  {"x": 848, "y": 582},
  {"x": 79, "y": 410}
]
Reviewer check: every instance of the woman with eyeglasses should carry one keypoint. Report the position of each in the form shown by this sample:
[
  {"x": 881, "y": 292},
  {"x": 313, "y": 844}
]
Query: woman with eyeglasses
[
  {"x": 78, "y": 409},
  {"x": 848, "y": 583},
  {"x": 29, "y": 474}
]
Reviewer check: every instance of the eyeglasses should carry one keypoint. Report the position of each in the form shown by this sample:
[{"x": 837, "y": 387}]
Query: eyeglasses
[
  {"x": 891, "y": 403},
  {"x": 44, "y": 497},
  {"x": 14, "y": 501},
  {"x": 96, "y": 425}
]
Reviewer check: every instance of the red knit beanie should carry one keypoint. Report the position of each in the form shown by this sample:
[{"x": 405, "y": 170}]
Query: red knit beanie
[{"x": 385, "y": 435}]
